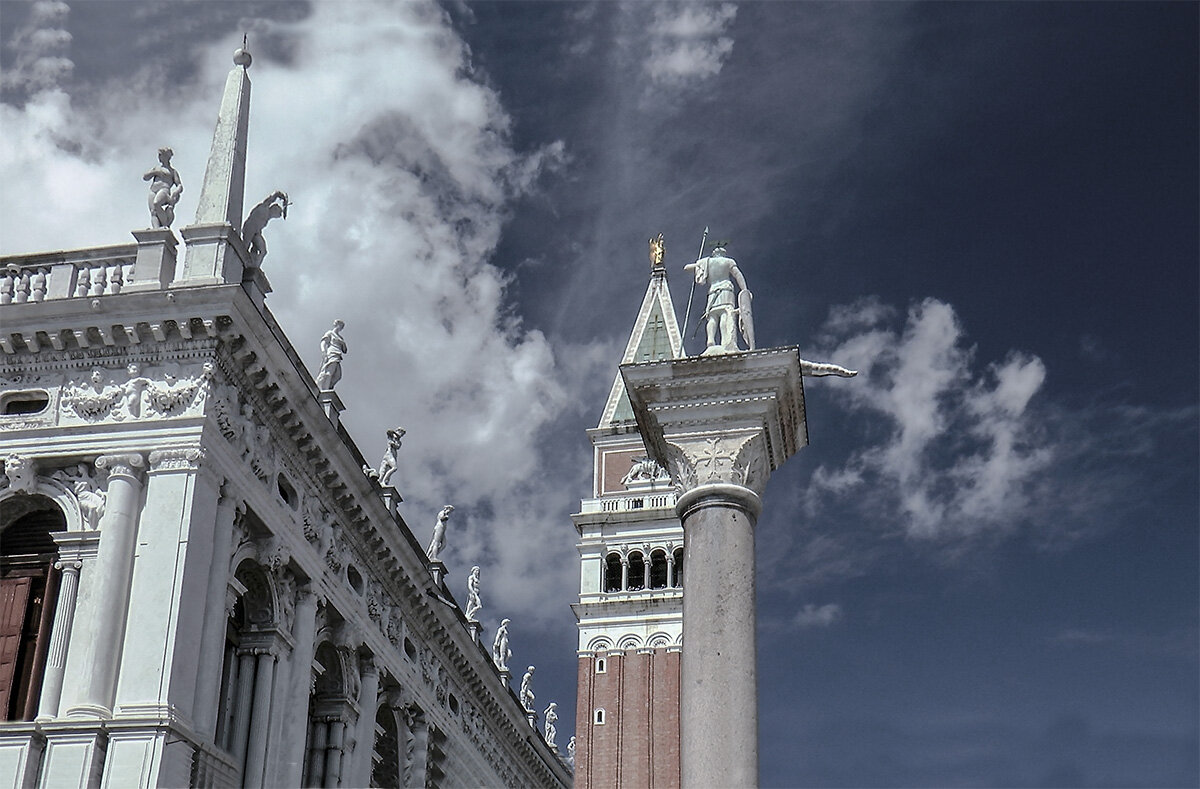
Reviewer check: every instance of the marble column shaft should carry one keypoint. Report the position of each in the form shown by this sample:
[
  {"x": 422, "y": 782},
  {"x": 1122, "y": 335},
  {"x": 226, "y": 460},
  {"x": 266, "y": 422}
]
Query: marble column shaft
[
  {"x": 256, "y": 749},
  {"x": 718, "y": 668},
  {"x": 364, "y": 736},
  {"x": 111, "y": 581},
  {"x": 212, "y": 640},
  {"x": 300, "y": 679},
  {"x": 60, "y": 638}
]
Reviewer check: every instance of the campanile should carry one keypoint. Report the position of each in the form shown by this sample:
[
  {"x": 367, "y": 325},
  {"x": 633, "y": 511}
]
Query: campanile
[{"x": 630, "y": 608}]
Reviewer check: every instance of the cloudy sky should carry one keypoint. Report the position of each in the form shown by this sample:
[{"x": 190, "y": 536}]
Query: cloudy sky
[{"x": 984, "y": 570}]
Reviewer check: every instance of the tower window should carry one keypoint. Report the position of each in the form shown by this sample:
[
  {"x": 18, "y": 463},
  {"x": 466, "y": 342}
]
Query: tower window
[
  {"x": 677, "y": 581},
  {"x": 637, "y": 571},
  {"x": 612, "y": 572},
  {"x": 599, "y": 716},
  {"x": 658, "y": 569},
  {"x": 601, "y": 665}
]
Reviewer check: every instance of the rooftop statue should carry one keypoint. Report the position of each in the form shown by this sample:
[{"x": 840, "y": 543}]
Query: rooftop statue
[
  {"x": 720, "y": 272},
  {"x": 333, "y": 348},
  {"x": 551, "y": 718},
  {"x": 474, "y": 603},
  {"x": 658, "y": 248},
  {"x": 500, "y": 651},
  {"x": 272, "y": 207},
  {"x": 527, "y": 690},
  {"x": 571, "y": 752},
  {"x": 165, "y": 189},
  {"x": 439, "y": 534},
  {"x": 387, "y": 466}
]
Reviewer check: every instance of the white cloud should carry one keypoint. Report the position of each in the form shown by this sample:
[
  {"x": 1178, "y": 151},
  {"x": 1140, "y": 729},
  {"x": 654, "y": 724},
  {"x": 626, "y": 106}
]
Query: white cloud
[
  {"x": 688, "y": 42},
  {"x": 402, "y": 173},
  {"x": 41, "y": 47},
  {"x": 813, "y": 615},
  {"x": 962, "y": 451}
]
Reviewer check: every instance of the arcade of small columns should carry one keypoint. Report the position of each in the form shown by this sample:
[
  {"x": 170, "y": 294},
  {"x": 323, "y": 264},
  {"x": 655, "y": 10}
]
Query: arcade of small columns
[{"x": 627, "y": 570}]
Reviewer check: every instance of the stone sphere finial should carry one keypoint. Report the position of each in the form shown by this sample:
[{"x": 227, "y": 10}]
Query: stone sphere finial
[{"x": 242, "y": 58}]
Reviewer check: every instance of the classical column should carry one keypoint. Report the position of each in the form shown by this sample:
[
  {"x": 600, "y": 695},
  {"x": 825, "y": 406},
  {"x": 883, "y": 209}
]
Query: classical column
[
  {"x": 646, "y": 562},
  {"x": 212, "y": 639},
  {"x": 364, "y": 734},
  {"x": 316, "y": 754},
  {"x": 720, "y": 425},
  {"x": 300, "y": 681},
  {"x": 110, "y": 586},
  {"x": 333, "y": 752},
  {"x": 242, "y": 708},
  {"x": 420, "y": 752},
  {"x": 60, "y": 637},
  {"x": 256, "y": 748},
  {"x": 670, "y": 567},
  {"x": 624, "y": 572}
]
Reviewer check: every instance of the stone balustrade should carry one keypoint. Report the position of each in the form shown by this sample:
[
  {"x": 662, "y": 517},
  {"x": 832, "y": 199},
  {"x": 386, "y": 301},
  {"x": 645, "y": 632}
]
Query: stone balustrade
[
  {"x": 630, "y": 503},
  {"x": 104, "y": 271}
]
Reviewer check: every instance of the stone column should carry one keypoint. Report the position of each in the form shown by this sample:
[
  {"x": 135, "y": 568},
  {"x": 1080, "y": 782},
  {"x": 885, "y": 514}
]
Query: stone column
[
  {"x": 720, "y": 425},
  {"x": 624, "y": 572},
  {"x": 242, "y": 708},
  {"x": 300, "y": 681},
  {"x": 333, "y": 753},
  {"x": 60, "y": 637},
  {"x": 110, "y": 586},
  {"x": 256, "y": 748},
  {"x": 364, "y": 734},
  {"x": 212, "y": 639}
]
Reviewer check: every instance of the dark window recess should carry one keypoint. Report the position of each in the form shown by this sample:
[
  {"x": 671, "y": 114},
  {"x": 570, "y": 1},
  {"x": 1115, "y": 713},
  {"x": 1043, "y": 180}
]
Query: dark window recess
[
  {"x": 355, "y": 579},
  {"x": 658, "y": 570},
  {"x": 612, "y": 573},
  {"x": 637, "y": 572},
  {"x": 410, "y": 650},
  {"x": 24, "y": 403},
  {"x": 287, "y": 492}
]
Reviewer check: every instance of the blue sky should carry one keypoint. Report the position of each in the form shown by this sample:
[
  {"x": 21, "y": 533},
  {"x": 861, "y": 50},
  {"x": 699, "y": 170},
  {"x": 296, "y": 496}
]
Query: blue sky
[{"x": 983, "y": 571}]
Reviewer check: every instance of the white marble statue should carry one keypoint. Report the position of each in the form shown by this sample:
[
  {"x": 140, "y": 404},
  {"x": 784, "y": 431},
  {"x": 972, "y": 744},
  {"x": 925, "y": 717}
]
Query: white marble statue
[
  {"x": 720, "y": 272},
  {"x": 273, "y": 207},
  {"x": 571, "y": 752},
  {"x": 387, "y": 466},
  {"x": 165, "y": 189},
  {"x": 92, "y": 499},
  {"x": 643, "y": 469},
  {"x": 527, "y": 690},
  {"x": 500, "y": 651},
  {"x": 333, "y": 348},
  {"x": 438, "y": 542},
  {"x": 474, "y": 603},
  {"x": 551, "y": 717}
]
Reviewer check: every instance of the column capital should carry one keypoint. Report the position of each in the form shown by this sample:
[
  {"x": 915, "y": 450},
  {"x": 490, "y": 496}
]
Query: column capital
[
  {"x": 727, "y": 420},
  {"x": 69, "y": 566},
  {"x": 186, "y": 458},
  {"x": 126, "y": 464}
]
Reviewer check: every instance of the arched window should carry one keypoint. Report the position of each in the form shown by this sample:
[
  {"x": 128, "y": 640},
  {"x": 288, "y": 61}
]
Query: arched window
[
  {"x": 637, "y": 571},
  {"x": 599, "y": 716},
  {"x": 387, "y": 766},
  {"x": 658, "y": 569},
  {"x": 612, "y": 573},
  {"x": 677, "y": 581},
  {"x": 28, "y": 586}
]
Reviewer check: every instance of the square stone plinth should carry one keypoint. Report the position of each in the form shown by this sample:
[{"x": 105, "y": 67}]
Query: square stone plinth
[{"x": 733, "y": 418}]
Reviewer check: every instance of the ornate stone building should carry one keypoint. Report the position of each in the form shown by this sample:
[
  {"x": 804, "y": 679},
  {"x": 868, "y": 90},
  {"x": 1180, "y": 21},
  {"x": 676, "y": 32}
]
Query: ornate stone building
[
  {"x": 630, "y": 608},
  {"x": 198, "y": 583}
]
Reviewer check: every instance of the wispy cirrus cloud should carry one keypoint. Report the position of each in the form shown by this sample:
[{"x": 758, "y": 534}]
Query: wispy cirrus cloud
[{"x": 813, "y": 615}]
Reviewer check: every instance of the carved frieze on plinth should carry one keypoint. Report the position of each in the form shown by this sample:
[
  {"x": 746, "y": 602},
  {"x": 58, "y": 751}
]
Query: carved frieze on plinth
[{"x": 729, "y": 420}]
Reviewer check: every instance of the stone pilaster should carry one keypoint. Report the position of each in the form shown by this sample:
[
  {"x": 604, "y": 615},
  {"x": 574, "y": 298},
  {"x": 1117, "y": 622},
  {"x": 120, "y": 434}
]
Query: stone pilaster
[{"x": 720, "y": 425}]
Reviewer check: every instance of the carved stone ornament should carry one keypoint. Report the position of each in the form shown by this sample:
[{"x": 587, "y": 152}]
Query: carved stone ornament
[
  {"x": 644, "y": 469},
  {"x": 704, "y": 459},
  {"x": 20, "y": 473},
  {"x": 91, "y": 497},
  {"x": 159, "y": 392},
  {"x": 176, "y": 459},
  {"x": 250, "y": 438},
  {"x": 126, "y": 465}
]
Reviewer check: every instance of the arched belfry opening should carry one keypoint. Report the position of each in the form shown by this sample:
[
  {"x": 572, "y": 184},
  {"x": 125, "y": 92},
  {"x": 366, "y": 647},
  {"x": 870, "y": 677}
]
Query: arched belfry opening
[{"x": 28, "y": 589}]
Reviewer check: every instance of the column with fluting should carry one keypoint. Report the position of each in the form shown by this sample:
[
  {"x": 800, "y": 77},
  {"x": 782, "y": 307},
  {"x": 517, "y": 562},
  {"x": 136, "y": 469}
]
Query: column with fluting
[
  {"x": 300, "y": 679},
  {"x": 364, "y": 734},
  {"x": 212, "y": 639}
]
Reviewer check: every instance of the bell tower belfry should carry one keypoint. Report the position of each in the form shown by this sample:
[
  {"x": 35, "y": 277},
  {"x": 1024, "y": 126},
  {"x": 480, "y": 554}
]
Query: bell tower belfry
[{"x": 630, "y": 608}]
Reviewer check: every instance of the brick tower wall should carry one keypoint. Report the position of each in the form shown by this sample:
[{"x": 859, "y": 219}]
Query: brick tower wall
[{"x": 637, "y": 746}]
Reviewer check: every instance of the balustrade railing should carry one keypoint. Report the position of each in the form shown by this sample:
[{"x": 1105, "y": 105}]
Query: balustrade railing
[{"x": 37, "y": 278}]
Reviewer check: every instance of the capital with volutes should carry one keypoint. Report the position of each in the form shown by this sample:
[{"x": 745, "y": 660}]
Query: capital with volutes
[{"x": 128, "y": 465}]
